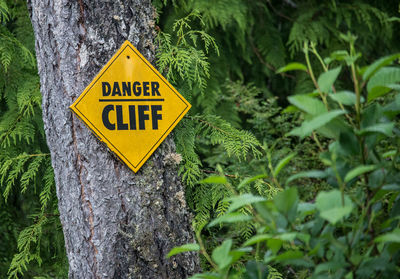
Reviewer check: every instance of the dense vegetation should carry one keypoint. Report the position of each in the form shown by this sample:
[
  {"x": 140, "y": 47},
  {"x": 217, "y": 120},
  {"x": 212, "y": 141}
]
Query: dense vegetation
[{"x": 292, "y": 168}]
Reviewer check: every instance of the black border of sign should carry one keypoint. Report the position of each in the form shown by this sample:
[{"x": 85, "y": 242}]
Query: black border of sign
[{"x": 152, "y": 149}]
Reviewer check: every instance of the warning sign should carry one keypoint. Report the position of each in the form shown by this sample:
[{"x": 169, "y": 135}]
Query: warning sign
[{"x": 130, "y": 106}]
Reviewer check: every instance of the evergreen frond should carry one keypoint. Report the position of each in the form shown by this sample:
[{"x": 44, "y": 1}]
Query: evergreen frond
[
  {"x": 28, "y": 247},
  {"x": 236, "y": 142},
  {"x": 30, "y": 173},
  {"x": 48, "y": 185},
  {"x": 17, "y": 165},
  {"x": 14, "y": 167},
  {"x": 273, "y": 273},
  {"x": 223, "y": 13},
  {"x": 185, "y": 145},
  {"x": 28, "y": 97},
  {"x": 184, "y": 61},
  {"x": 4, "y": 12}
]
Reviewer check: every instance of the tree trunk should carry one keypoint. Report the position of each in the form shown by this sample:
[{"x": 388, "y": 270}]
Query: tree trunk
[{"x": 116, "y": 224}]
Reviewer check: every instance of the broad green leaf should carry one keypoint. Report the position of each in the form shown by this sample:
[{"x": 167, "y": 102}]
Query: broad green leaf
[
  {"x": 214, "y": 180},
  {"x": 290, "y": 109},
  {"x": 330, "y": 206},
  {"x": 383, "y": 128},
  {"x": 183, "y": 248},
  {"x": 292, "y": 67},
  {"x": 250, "y": 179},
  {"x": 393, "y": 236},
  {"x": 221, "y": 256},
  {"x": 289, "y": 255},
  {"x": 284, "y": 237},
  {"x": 391, "y": 187},
  {"x": 286, "y": 202},
  {"x": 238, "y": 253},
  {"x": 379, "y": 91},
  {"x": 206, "y": 276},
  {"x": 348, "y": 144},
  {"x": 242, "y": 200},
  {"x": 308, "y": 126},
  {"x": 392, "y": 109},
  {"x": 287, "y": 236},
  {"x": 233, "y": 217},
  {"x": 327, "y": 79},
  {"x": 333, "y": 128},
  {"x": 282, "y": 163},
  {"x": 378, "y": 64},
  {"x": 257, "y": 238},
  {"x": 385, "y": 80},
  {"x": 389, "y": 153},
  {"x": 307, "y": 104},
  {"x": 358, "y": 171},
  {"x": 371, "y": 115},
  {"x": 328, "y": 266},
  {"x": 304, "y": 209},
  {"x": 311, "y": 174},
  {"x": 274, "y": 245},
  {"x": 338, "y": 55},
  {"x": 347, "y": 98}
]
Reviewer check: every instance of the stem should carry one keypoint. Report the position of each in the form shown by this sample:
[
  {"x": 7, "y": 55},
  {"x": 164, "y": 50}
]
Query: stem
[
  {"x": 271, "y": 168},
  {"x": 203, "y": 251},
  {"x": 356, "y": 88},
  {"x": 339, "y": 180},
  {"x": 258, "y": 258},
  {"x": 311, "y": 73},
  {"x": 314, "y": 50},
  {"x": 314, "y": 136}
]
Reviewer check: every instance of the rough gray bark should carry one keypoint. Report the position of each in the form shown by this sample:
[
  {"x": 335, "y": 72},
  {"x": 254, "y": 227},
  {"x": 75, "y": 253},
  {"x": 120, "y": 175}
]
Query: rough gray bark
[{"x": 116, "y": 224}]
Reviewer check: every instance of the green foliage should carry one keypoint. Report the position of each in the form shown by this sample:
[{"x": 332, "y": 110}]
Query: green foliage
[
  {"x": 189, "y": 72},
  {"x": 180, "y": 59},
  {"x": 27, "y": 237},
  {"x": 29, "y": 224},
  {"x": 349, "y": 230}
]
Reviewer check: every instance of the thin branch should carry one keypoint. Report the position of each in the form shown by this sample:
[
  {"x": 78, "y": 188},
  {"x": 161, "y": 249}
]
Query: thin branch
[{"x": 278, "y": 12}]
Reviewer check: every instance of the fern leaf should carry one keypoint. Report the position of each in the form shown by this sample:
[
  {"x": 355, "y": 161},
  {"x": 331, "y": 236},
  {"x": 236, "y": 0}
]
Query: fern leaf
[
  {"x": 30, "y": 173},
  {"x": 48, "y": 185},
  {"x": 236, "y": 142},
  {"x": 28, "y": 237}
]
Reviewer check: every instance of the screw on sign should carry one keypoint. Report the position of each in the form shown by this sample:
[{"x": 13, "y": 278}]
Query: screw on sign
[{"x": 130, "y": 106}]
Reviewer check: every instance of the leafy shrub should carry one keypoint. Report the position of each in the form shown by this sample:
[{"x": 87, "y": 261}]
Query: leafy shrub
[{"x": 349, "y": 230}]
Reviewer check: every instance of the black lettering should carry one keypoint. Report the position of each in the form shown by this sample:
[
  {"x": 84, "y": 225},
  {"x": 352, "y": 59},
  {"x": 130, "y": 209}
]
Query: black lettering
[
  {"x": 106, "y": 88},
  {"x": 120, "y": 121},
  {"x": 142, "y": 116},
  {"x": 116, "y": 89},
  {"x": 126, "y": 89},
  {"x": 137, "y": 90},
  {"x": 154, "y": 88},
  {"x": 146, "y": 88},
  {"x": 155, "y": 116},
  {"x": 132, "y": 118},
  {"x": 106, "y": 120}
]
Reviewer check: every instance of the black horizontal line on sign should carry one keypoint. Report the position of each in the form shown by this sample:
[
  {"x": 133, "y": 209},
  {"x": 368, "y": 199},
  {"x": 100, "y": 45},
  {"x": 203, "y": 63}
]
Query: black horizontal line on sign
[{"x": 131, "y": 100}]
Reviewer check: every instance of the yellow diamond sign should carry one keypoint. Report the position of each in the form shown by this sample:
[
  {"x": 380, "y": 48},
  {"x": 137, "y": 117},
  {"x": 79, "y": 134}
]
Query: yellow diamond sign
[{"x": 130, "y": 106}]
